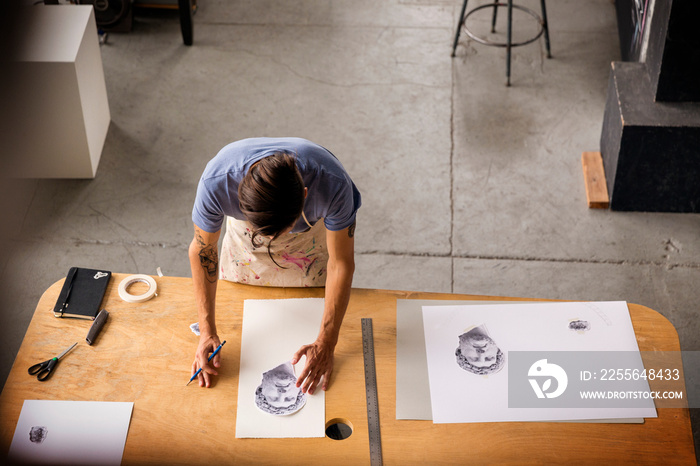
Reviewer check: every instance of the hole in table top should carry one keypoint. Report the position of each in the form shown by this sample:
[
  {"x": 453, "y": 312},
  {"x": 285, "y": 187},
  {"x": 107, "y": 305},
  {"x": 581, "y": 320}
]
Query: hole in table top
[{"x": 338, "y": 429}]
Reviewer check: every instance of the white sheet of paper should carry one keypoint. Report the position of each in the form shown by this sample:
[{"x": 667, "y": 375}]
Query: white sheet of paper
[
  {"x": 412, "y": 386},
  {"x": 273, "y": 330},
  {"x": 77, "y": 432},
  {"x": 459, "y": 396}
]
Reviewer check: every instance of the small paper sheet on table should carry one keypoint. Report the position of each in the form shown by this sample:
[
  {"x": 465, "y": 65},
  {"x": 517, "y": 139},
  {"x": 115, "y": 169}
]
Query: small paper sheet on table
[
  {"x": 273, "y": 330},
  {"x": 71, "y": 432}
]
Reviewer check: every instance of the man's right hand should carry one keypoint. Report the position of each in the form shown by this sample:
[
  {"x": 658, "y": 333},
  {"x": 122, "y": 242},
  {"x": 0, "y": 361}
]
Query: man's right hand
[
  {"x": 204, "y": 262},
  {"x": 207, "y": 345}
]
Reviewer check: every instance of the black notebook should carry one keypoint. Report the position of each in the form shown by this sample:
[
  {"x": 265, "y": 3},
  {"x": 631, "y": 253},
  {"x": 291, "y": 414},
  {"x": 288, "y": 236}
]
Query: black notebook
[{"x": 82, "y": 293}]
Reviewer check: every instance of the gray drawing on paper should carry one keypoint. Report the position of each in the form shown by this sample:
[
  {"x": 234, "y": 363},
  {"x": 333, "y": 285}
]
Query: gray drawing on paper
[
  {"x": 579, "y": 326},
  {"x": 37, "y": 434},
  {"x": 478, "y": 353},
  {"x": 278, "y": 393}
]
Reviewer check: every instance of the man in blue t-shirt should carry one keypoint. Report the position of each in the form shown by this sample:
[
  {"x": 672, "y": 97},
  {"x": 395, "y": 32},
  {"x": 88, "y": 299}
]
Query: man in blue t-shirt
[{"x": 273, "y": 193}]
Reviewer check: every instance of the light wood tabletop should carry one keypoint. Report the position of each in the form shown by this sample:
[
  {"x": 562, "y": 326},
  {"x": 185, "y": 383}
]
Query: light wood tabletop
[{"x": 144, "y": 354}]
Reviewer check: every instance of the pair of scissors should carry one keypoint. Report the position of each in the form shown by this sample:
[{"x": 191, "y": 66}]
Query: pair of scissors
[{"x": 43, "y": 370}]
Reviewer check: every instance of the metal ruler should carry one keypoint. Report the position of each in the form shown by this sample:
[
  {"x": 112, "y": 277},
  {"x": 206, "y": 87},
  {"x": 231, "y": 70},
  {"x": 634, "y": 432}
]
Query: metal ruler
[{"x": 375, "y": 439}]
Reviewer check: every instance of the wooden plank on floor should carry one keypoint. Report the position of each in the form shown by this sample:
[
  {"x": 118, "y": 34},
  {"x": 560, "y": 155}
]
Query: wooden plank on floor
[{"x": 594, "y": 179}]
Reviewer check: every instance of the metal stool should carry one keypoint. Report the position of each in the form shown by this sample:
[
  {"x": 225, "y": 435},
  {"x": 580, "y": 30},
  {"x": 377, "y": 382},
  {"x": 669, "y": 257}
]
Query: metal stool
[{"x": 509, "y": 42}]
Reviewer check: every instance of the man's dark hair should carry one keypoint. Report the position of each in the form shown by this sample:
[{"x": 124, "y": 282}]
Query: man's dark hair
[{"x": 271, "y": 195}]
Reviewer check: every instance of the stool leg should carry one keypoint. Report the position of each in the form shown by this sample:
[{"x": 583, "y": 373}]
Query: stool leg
[
  {"x": 459, "y": 27},
  {"x": 509, "y": 41},
  {"x": 545, "y": 26},
  {"x": 493, "y": 18}
]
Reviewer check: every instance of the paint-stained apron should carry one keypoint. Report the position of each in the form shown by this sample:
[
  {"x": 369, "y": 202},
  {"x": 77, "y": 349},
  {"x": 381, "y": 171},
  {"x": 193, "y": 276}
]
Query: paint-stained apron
[{"x": 303, "y": 256}]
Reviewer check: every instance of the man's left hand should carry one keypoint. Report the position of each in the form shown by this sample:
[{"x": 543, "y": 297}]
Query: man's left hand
[{"x": 319, "y": 365}]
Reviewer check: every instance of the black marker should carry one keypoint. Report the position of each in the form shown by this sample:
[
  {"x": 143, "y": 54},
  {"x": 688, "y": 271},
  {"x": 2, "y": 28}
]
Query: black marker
[{"x": 97, "y": 326}]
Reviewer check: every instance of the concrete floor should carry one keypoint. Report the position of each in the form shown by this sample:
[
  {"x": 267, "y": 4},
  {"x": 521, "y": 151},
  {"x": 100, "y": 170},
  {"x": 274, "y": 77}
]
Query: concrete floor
[{"x": 468, "y": 186}]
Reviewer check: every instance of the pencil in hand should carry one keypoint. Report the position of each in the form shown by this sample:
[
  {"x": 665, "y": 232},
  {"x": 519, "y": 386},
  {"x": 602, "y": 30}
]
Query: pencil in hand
[{"x": 200, "y": 369}]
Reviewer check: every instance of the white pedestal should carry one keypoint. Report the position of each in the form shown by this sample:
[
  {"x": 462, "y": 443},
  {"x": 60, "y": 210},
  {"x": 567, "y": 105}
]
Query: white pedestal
[{"x": 58, "y": 114}]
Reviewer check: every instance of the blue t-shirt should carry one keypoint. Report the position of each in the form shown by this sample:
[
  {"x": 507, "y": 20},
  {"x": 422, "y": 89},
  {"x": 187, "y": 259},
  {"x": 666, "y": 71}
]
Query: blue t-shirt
[{"x": 331, "y": 193}]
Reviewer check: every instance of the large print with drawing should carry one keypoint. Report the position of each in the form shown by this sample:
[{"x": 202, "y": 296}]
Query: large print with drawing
[
  {"x": 269, "y": 404},
  {"x": 473, "y": 352}
]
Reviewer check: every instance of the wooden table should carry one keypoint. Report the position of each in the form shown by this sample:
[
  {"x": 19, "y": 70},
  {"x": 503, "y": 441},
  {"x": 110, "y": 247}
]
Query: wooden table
[{"x": 145, "y": 352}]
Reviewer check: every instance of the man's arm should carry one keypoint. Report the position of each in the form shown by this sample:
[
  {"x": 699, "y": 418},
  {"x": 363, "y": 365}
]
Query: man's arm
[
  {"x": 319, "y": 354},
  {"x": 204, "y": 262}
]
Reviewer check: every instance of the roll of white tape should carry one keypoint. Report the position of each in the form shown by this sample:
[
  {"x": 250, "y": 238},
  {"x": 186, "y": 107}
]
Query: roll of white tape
[{"x": 130, "y": 280}]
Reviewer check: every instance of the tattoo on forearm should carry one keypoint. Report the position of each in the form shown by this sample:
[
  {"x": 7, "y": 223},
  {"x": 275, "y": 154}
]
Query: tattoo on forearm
[
  {"x": 199, "y": 239},
  {"x": 351, "y": 230},
  {"x": 209, "y": 258}
]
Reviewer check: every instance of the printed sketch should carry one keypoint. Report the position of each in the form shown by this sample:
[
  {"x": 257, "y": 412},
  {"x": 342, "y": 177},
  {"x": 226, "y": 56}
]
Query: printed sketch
[
  {"x": 37, "y": 434},
  {"x": 278, "y": 393},
  {"x": 579, "y": 326},
  {"x": 478, "y": 353}
]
